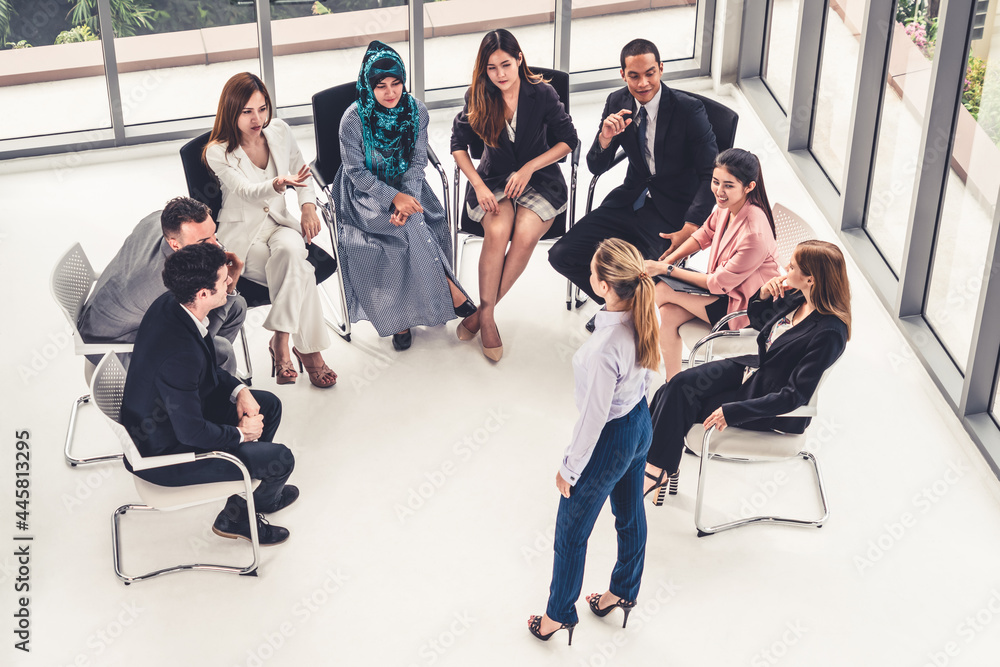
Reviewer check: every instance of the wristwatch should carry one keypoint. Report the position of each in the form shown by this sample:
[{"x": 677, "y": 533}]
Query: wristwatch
[{"x": 670, "y": 269}]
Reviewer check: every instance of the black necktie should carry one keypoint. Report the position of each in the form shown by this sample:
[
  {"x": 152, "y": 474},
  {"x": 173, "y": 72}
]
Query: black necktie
[{"x": 642, "y": 133}]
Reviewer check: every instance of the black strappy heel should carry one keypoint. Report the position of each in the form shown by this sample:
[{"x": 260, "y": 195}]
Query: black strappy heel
[
  {"x": 535, "y": 624},
  {"x": 595, "y": 601}
]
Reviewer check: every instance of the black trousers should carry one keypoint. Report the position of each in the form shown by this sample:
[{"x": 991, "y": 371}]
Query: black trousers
[
  {"x": 571, "y": 254},
  {"x": 267, "y": 461},
  {"x": 688, "y": 399}
]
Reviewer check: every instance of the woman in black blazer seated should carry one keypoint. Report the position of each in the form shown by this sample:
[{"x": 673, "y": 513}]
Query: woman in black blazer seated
[
  {"x": 518, "y": 189},
  {"x": 804, "y": 319}
]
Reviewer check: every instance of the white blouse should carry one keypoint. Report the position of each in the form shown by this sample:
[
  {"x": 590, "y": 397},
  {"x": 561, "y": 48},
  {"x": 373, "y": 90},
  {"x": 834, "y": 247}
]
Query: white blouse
[{"x": 609, "y": 383}]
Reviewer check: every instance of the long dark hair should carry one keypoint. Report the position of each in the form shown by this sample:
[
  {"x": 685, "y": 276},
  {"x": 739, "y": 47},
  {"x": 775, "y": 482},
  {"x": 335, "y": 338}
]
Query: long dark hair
[
  {"x": 235, "y": 95},
  {"x": 831, "y": 292},
  {"x": 745, "y": 168},
  {"x": 485, "y": 100}
]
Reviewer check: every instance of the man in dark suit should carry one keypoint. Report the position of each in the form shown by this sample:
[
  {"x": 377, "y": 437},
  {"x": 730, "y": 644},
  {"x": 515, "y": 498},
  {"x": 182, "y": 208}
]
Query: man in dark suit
[
  {"x": 178, "y": 400},
  {"x": 132, "y": 280},
  {"x": 671, "y": 153}
]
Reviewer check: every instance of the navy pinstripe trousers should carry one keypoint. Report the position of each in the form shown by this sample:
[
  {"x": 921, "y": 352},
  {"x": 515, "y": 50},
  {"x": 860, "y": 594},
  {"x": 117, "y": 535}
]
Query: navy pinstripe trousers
[{"x": 615, "y": 469}]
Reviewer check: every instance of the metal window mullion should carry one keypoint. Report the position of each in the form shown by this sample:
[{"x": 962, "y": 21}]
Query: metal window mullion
[
  {"x": 805, "y": 73},
  {"x": 265, "y": 48},
  {"x": 876, "y": 45},
  {"x": 704, "y": 31},
  {"x": 947, "y": 77},
  {"x": 752, "y": 40},
  {"x": 984, "y": 353},
  {"x": 416, "y": 45},
  {"x": 563, "y": 20},
  {"x": 106, "y": 28}
]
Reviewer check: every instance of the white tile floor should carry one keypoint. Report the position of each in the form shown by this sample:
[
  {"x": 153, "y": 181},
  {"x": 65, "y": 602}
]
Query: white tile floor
[{"x": 424, "y": 532}]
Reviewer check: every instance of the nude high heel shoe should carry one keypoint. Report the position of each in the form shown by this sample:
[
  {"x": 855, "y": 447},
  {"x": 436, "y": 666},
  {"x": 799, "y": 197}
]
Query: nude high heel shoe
[{"x": 492, "y": 353}]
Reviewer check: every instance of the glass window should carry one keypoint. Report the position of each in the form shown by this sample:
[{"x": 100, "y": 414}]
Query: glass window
[
  {"x": 46, "y": 55},
  {"x": 779, "y": 48},
  {"x": 969, "y": 206},
  {"x": 835, "y": 93},
  {"x": 897, "y": 154},
  {"x": 320, "y": 44},
  {"x": 597, "y": 39},
  {"x": 457, "y": 27}
]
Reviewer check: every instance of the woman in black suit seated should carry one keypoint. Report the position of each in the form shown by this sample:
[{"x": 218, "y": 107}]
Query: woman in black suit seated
[
  {"x": 518, "y": 189},
  {"x": 804, "y": 319}
]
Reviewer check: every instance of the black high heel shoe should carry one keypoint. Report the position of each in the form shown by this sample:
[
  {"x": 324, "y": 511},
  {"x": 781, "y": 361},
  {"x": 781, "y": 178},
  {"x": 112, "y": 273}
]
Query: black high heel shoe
[
  {"x": 595, "y": 600},
  {"x": 662, "y": 493},
  {"x": 535, "y": 623},
  {"x": 402, "y": 341},
  {"x": 466, "y": 309}
]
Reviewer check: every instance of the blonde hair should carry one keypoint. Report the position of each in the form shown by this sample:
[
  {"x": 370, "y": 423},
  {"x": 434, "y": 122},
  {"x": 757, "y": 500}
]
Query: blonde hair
[
  {"x": 831, "y": 292},
  {"x": 619, "y": 264}
]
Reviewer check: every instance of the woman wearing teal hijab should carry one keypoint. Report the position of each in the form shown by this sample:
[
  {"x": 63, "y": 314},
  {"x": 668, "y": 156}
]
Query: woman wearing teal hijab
[{"x": 393, "y": 238}]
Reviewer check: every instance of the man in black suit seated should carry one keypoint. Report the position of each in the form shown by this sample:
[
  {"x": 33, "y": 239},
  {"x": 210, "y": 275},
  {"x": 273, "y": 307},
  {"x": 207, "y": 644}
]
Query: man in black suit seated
[
  {"x": 671, "y": 153},
  {"x": 178, "y": 400}
]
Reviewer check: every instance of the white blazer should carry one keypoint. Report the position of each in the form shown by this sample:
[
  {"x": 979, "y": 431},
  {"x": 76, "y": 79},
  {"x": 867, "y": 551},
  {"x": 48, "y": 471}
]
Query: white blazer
[{"x": 246, "y": 203}]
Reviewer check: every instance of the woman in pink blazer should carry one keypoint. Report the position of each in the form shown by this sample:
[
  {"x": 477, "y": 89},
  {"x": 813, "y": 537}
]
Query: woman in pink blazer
[{"x": 741, "y": 240}]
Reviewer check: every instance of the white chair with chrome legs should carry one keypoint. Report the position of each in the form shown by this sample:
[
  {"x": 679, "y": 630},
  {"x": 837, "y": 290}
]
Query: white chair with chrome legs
[
  {"x": 107, "y": 388},
  {"x": 738, "y": 445},
  {"x": 72, "y": 280},
  {"x": 719, "y": 342}
]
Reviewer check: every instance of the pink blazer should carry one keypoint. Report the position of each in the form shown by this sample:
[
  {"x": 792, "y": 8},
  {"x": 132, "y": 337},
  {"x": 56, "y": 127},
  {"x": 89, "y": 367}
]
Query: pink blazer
[{"x": 741, "y": 258}]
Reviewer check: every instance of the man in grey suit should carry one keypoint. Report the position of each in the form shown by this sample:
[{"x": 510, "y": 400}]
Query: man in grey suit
[{"x": 133, "y": 280}]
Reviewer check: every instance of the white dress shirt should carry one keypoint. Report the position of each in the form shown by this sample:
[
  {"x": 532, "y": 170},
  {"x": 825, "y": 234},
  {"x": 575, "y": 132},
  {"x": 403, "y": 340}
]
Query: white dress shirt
[
  {"x": 609, "y": 383},
  {"x": 652, "y": 107}
]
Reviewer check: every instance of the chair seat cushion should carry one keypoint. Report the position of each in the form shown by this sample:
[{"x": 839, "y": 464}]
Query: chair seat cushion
[
  {"x": 169, "y": 498},
  {"x": 742, "y": 443}
]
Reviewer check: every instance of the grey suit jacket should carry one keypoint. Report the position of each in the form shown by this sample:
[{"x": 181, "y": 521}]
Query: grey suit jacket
[{"x": 130, "y": 284}]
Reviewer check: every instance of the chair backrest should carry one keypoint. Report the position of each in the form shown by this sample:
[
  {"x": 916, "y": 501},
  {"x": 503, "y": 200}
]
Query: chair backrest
[
  {"x": 328, "y": 108},
  {"x": 723, "y": 120},
  {"x": 201, "y": 182},
  {"x": 560, "y": 81},
  {"x": 107, "y": 387},
  {"x": 71, "y": 282},
  {"x": 791, "y": 229}
]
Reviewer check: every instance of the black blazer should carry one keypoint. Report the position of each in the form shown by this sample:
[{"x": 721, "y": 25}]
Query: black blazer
[
  {"x": 538, "y": 111},
  {"x": 172, "y": 373},
  {"x": 788, "y": 373},
  {"x": 684, "y": 152}
]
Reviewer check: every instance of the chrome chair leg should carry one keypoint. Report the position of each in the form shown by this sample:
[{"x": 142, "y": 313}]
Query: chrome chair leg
[
  {"x": 704, "y": 530},
  {"x": 71, "y": 460}
]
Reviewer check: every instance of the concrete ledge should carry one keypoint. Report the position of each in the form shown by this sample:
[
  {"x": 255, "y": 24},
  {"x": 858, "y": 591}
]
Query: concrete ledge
[{"x": 306, "y": 34}]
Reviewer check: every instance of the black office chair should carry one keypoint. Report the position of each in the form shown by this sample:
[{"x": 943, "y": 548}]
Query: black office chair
[
  {"x": 722, "y": 119},
  {"x": 203, "y": 186},
  {"x": 328, "y": 108},
  {"x": 563, "y": 222}
]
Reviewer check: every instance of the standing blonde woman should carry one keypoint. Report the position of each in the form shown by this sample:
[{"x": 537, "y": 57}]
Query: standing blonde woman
[
  {"x": 256, "y": 160},
  {"x": 612, "y": 435}
]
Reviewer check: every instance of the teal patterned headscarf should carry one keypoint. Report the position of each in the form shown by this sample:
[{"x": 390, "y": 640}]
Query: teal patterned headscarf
[{"x": 389, "y": 135}]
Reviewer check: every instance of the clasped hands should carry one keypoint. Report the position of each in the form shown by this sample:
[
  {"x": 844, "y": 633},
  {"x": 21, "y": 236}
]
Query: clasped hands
[
  {"x": 514, "y": 188},
  {"x": 405, "y": 205},
  {"x": 251, "y": 422}
]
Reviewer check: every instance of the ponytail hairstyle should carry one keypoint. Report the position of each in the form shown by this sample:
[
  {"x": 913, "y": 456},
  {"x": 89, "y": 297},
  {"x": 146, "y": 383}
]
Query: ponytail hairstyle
[
  {"x": 831, "y": 292},
  {"x": 745, "y": 168},
  {"x": 486, "y": 104},
  {"x": 619, "y": 264}
]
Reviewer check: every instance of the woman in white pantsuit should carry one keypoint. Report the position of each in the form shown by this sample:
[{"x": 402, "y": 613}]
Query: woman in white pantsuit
[{"x": 255, "y": 159}]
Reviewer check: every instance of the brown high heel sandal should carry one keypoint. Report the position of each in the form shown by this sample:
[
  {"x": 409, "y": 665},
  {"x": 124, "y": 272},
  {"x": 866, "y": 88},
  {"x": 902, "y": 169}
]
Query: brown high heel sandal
[
  {"x": 321, "y": 376},
  {"x": 283, "y": 371}
]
